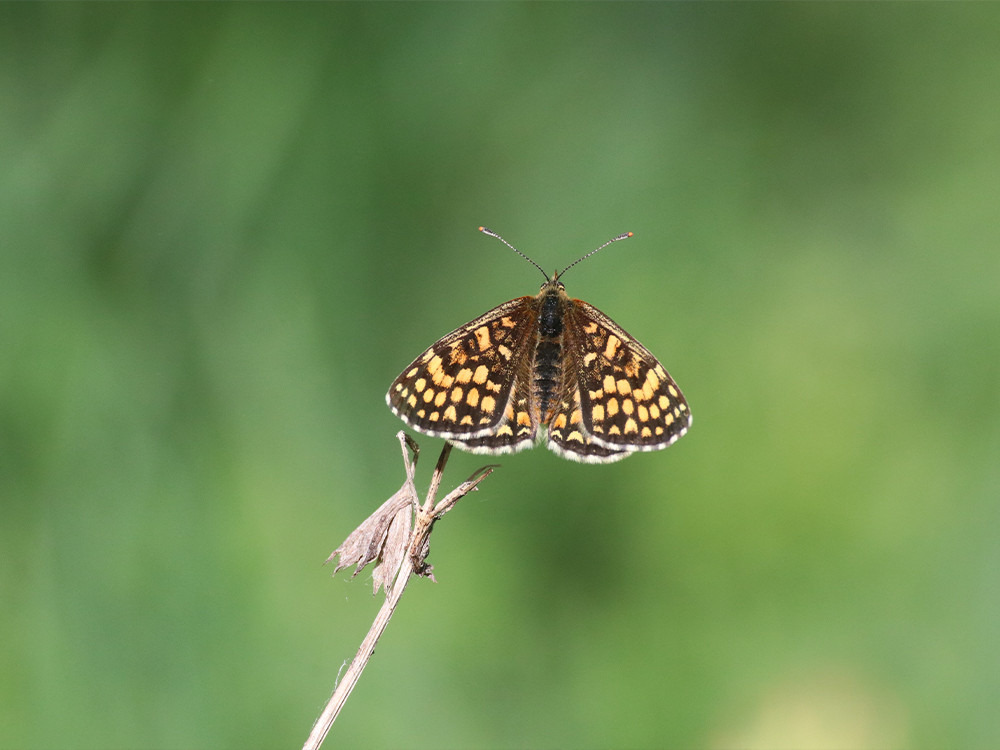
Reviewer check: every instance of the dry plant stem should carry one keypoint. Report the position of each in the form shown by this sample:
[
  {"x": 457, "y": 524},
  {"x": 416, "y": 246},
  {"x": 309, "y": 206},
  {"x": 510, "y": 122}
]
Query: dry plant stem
[
  {"x": 412, "y": 562},
  {"x": 353, "y": 673}
]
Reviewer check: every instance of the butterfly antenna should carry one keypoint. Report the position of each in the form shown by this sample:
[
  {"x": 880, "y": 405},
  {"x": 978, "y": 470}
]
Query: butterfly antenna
[
  {"x": 491, "y": 233},
  {"x": 613, "y": 239}
]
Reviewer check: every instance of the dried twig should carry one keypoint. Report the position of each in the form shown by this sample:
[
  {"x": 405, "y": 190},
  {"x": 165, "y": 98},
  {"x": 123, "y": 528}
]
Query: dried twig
[{"x": 386, "y": 537}]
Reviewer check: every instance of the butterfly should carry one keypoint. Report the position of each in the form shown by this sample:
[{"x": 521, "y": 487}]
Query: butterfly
[{"x": 546, "y": 368}]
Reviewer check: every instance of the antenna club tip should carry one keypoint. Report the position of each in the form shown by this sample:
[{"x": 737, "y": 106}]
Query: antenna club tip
[{"x": 629, "y": 234}]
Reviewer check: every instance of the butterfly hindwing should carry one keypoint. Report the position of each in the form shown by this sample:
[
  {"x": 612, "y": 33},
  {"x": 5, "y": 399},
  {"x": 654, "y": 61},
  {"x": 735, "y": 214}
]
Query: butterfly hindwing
[
  {"x": 627, "y": 399},
  {"x": 567, "y": 435},
  {"x": 515, "y": 431}
]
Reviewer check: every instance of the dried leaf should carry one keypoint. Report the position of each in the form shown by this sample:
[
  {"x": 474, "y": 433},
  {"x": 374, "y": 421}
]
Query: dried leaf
[
  {"x": 397, "y": 540},
  {"x": 368, "y": 542}
]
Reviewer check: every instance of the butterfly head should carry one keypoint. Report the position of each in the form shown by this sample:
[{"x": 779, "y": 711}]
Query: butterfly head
[{"x": 552, "y": 285}]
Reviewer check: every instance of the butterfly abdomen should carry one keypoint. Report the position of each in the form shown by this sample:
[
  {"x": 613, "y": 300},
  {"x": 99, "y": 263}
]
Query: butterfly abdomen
[{"x": 548, "y": 350}]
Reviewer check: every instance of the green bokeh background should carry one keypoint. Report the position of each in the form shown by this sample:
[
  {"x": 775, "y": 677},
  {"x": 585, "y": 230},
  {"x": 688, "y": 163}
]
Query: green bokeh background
[{"x": 224, "y": 229}]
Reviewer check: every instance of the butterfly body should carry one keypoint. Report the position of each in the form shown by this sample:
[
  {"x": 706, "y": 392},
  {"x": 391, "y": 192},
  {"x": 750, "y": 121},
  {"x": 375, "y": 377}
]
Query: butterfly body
[
  {"x": 544, "y": 368},
  {"x": 548, "y": 351}
]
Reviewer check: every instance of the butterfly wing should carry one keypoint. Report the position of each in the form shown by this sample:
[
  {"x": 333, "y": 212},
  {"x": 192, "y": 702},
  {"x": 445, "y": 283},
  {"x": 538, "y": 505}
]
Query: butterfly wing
[
  {"x": 626, "y": 400},
  {"x": 515, "y": 431},
  {"x": 464, "y": 387},
  {"x": 566, "y": 435}
]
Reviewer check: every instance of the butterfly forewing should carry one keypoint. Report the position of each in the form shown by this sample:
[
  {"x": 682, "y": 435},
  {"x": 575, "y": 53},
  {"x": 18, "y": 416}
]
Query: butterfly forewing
[{"x": 462, "y": 387}]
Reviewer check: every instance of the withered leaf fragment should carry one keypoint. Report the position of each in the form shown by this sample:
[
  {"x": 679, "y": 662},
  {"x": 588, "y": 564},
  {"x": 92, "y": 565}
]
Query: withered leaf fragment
[{"x": 382, "y": 538}]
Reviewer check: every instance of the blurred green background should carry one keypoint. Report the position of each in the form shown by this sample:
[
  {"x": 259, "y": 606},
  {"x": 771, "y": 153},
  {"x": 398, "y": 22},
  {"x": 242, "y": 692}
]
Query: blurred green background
[{"x": 224, "y": 229}]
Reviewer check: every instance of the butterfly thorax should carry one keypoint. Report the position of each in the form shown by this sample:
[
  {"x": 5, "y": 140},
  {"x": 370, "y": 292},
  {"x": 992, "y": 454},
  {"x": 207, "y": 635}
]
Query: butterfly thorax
[{"x": 549, "y": 349}]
